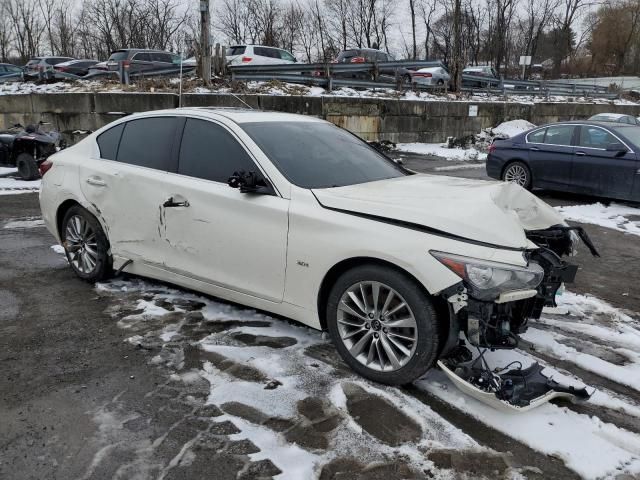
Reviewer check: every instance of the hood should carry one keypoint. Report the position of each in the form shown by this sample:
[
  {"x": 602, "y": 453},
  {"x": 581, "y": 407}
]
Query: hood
[{"x": 495, "y": 213}]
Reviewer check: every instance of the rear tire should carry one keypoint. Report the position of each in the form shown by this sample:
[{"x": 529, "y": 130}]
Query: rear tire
[
  {"x": 85, "y": 245},
  {"x": 518, "y": 172},
  {"x": 27, "y": 167},
  {"x": 378, "y": 337}
]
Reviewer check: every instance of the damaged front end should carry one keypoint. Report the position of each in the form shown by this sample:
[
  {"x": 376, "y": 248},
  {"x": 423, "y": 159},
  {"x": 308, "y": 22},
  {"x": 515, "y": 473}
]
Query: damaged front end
[{"x": 493, "y": 304}]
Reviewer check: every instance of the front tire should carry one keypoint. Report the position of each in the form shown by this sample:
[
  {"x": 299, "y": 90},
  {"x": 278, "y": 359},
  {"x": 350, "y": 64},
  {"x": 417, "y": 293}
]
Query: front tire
[
  {"x": 86, "y": 245},
  {"x": 518, "y": 172},
  {"x": 27, "y": 167},
  {"x": 383, "y": 324}
]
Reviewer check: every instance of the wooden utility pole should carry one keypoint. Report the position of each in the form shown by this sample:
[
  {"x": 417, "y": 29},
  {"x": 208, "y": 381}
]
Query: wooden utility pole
[
  {"x": 205, "y": 42},
  {"x": 457, "y": 47}
]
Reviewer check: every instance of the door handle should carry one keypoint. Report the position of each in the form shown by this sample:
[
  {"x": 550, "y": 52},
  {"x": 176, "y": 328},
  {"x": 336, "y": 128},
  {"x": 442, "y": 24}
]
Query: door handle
[
  {"x": 96, "y": 182},
  {"x": 534, "y": 149},
  {"x": 170, "y": 202},
  {"x": 582, "y": 154}
]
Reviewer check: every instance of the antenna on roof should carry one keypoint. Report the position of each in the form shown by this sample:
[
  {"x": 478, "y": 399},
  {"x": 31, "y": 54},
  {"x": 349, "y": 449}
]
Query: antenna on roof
[{"x": 240, "y": 100}]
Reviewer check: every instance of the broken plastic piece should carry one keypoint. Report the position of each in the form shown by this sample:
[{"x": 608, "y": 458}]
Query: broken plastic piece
[{"x": 517, "y": 390}]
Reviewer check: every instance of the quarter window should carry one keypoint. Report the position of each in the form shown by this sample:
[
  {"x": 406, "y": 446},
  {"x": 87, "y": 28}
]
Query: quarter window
[
  {"x": 148, "y": 142},
  {"x": 559, "y": 135},
  {"x": 210, "y": 152},
  {"x": 108, "y": 142},
  {"x": 594, "y": 137},
  {"x": 537, "y": 137}
]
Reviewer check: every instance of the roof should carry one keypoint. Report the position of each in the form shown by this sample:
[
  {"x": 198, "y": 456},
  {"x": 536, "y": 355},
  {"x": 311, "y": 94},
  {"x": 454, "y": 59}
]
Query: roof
[
  {"x": 612, "y": 115},
  {"x": 235, "y": 114}
]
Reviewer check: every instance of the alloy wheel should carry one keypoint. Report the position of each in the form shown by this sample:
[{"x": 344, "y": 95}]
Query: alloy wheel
[
  {"x": 517, "y": 174},
  {"x": 377, "y": 326},
  {"x": 81, "y": 244}
]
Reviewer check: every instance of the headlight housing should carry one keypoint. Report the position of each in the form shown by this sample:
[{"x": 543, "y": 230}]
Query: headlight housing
[{"x": 487, "y": 279}]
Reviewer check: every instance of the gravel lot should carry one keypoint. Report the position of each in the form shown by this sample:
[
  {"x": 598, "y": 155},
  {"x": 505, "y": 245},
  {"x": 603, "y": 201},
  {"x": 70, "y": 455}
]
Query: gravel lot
[{"x": 137, "y": 379}]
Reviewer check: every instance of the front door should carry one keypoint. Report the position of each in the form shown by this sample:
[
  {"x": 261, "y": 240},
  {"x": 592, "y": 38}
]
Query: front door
[
  {"x": 215, "y": 233},
  {"x": 551, "y": 155},
  {"x": 598, "y": 171}
]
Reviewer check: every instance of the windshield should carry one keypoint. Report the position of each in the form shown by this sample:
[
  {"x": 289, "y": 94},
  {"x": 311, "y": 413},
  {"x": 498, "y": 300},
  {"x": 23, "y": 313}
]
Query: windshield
[
  {"x": 117, "y": 56},
  {"x": 236, "y": 50},
  {"x": 320, "y": 155},
  {"x": 632, "y": 133}
]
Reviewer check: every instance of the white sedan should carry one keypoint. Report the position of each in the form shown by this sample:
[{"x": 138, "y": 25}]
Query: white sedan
[
  {"x": 292, "y": 215},
  {"x": 430, "y": 76}
]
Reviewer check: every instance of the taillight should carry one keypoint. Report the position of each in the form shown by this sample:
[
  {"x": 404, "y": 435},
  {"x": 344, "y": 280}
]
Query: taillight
[
  {"x": 45, "y": 167},
  {"x": 492, "y": 148},
  {"x": 60, "y": 69},
  {"x": 126, "y": 63},
  {"x": 422, "y": 74},
  {"x": 358, "y": 60},
  {"x": 246, "y": 59}
]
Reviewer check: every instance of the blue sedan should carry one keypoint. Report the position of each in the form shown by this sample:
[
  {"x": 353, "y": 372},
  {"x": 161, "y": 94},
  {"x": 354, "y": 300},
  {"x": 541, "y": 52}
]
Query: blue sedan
[{"x": 587, "y": 157}]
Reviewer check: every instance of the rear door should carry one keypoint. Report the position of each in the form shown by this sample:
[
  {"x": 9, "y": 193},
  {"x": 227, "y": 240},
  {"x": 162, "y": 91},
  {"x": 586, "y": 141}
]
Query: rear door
[
  {"x": 141, "y": 62},
  {"x": 598, "y": 171},
  {"x": 215, "y": 233},
  {"x": 551, "y": 155},
  {"x": 127, "y": 184}
]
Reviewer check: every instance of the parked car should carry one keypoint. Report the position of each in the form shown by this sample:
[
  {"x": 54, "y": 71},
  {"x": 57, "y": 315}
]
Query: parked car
[
  {"x": 480, "y": 71},
  {"x": 38, "y": 65},
  {"x": 430, "y": 76},
  {"x": 140, "y": 60},
  {"x": 258, "y": 55},
  {"x": 27, "y": 148},
  {"x": 76, "y": 67},
  {"x": 10, "y": 69},
  {"x": 594, "y": 158},
  {"x": 616, "y": 118},
  {"x": 293, "y": 215}
]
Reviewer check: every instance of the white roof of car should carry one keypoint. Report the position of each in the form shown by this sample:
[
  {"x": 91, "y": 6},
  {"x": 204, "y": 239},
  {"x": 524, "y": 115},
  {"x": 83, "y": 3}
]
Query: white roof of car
[
  {"x": 612, "y": 115},
  {"x": 238, "y": 115}
]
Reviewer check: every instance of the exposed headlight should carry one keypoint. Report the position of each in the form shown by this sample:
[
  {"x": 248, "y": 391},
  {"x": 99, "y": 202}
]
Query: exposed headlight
[
  {"x": 575, "y": 241},
  {"x": 486, "y": 279}
]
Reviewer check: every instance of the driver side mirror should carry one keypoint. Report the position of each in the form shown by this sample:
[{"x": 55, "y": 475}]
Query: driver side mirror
[
  {"x": 617, "y": 147},
  {"x": 250, "y": 182}
]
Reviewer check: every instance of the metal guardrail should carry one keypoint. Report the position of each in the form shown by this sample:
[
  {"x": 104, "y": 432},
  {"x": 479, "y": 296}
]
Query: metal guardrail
[{"x": 383, "y": 75}]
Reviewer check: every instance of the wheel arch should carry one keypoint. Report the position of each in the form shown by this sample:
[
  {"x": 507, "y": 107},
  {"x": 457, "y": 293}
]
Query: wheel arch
[
  {"x": 64, "y": 207},
  {"x": 440, "y": 304}
]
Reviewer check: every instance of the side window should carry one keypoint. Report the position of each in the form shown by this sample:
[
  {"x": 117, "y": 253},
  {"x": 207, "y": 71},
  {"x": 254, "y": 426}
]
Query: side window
[
  {"x": 559, "y": 135},
  {"x": 161, "y": 57},
  {"x": 537, "y": 137},
  {"x": 148, "y": 142},
  {"x": 108, "y": 142},
  {"x": 208, "y": 151},
  {"x": 142, "y": 57},
  {"x": 263, "y": 52},
  {"x": 594, "y": 137}
]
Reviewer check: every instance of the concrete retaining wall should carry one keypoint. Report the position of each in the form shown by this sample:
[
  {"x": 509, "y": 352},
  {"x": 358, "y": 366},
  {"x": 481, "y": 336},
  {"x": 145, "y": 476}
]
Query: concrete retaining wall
[{"x": 372, "y": 119}]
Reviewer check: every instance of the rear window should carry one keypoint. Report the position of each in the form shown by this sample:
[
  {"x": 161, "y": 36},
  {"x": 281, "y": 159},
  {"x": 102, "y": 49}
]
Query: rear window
[
  {"x": 148, "y": 142},
  {"x": 117, "y": 56},
  {"x": 237, "y": 50},
  {"x": 347, "y": 55}
]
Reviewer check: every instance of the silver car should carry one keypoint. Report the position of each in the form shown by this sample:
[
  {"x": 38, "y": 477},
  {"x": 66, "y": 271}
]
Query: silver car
[
  {"x": 430, "y": 76},
  {"x": 616, "y": 118},
  {"x": 38, "y": 65}
]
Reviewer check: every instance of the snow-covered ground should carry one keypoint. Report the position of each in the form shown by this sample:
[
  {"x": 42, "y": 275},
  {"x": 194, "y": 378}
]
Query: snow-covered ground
[
  {"x": 282, "y": 88},
  {"x": 437, "y": 149},
  {"x": 11, "y": 185},
  {"x": 592, "y": 446},
  {"x": 615, "y": 216}
]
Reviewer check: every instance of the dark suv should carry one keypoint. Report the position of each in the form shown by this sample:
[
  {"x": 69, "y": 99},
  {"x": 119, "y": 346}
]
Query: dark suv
[{"x": 143, "y": 60}]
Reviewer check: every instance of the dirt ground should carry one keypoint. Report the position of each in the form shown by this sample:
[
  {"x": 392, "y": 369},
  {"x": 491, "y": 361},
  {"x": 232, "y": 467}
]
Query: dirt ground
[{"x": 135, "y": 380}]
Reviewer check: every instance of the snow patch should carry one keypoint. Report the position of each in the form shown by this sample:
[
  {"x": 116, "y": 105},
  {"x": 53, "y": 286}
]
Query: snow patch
[
  {"x": 466, "y": 166},
  {"x": 24, "y": 223},
  {"x": 512, "y": 128},
  {"x": 10, "y": 185},
  {"x": 438, "y": 150},
  {"x": 612, "y": 216}
]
